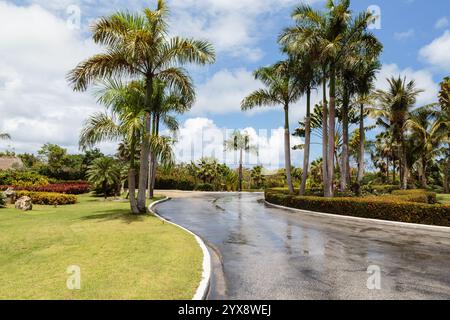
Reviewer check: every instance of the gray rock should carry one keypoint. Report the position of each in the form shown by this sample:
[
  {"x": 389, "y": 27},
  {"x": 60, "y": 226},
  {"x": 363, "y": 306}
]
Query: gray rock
[
  {"x": 10, "y": 196},
  {"x": 24, "y": 204}
]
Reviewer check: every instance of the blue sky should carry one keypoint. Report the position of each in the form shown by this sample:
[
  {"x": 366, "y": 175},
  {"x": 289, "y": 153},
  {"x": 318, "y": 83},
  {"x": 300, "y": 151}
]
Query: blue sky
[{"x": 34, "y": 94}]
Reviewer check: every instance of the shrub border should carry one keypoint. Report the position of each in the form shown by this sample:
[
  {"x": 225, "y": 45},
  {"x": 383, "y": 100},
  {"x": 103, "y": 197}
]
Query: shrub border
[
  {"x": 413, "y": 226},
  {"x": 205, "y": 282}
]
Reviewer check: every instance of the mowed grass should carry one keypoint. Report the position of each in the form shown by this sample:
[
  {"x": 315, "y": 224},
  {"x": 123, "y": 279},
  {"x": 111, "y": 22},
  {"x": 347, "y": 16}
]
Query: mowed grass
[
  {"x": 121, "y": 256},
  {"x": 444, "y": 198}
]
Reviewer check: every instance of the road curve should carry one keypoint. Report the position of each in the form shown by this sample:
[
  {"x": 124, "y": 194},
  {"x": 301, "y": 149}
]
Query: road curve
[{"x": 271, "y": 253}]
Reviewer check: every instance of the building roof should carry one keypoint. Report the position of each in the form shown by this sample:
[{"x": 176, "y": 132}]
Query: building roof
[{"x": 7, "y": 163}]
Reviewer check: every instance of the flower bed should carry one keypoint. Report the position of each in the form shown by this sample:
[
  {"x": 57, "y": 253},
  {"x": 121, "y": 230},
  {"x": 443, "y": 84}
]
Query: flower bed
[
  {"x": 48, "y": 198},
  {"x": 66, "y": 188}
]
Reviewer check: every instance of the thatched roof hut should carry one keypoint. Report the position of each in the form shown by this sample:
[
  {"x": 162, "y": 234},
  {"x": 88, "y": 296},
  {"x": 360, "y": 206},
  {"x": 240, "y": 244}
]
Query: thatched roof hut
[{"x": 9, "y": 163}]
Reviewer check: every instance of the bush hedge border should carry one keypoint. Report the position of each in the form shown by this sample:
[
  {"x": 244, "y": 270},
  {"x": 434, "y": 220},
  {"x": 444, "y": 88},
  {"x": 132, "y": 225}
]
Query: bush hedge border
[{"x": 399, "y": 209}]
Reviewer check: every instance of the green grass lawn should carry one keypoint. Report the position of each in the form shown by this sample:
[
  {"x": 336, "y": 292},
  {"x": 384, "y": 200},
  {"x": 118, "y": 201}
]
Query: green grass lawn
[
  {"x": 120, "y": 256},
  {"x": 444, "y": 198}
]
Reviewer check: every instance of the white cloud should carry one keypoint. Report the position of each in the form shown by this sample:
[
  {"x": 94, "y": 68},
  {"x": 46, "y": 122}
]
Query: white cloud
[
  {"x": 36, "y": 103},
  {"x": 437, "y": 53},
  {"x": 423, "y": 78},
  {"x": 234, "y": 27},
  {"x": 441, "y": 23},
  {"x": 405, "y": 35},
  {"x": 224, "y": 91},
  {"x": 201, "y": 137}
]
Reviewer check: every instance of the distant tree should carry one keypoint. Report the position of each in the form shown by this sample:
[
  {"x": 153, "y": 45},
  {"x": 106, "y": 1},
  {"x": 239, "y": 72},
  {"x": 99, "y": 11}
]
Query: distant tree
[{"x": 240, "y": 142}]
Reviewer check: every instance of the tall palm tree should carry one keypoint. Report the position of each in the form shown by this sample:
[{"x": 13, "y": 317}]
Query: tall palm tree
[
  {"x": 444, "y": 101},
  {"x": 138, "y": 46},
  {"x": 281, "y": 89},
  {"x": 366, "y": 76},
  {"x": 394, "y": 106},
  {"x": 166, "y": 103},
  {"x": 104, "y": 172},
  {"x": 240, "y": 142},
  {"x": 429, "y": 131},
  {"x": 336, "y": 36},
  {"x": 124, "y": 123}
]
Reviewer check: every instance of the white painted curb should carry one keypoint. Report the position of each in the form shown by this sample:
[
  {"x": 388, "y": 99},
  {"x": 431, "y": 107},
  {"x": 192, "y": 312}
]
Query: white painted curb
[
  {"x": 203, "y": 288},
  {"x": 383, "y": 222}
]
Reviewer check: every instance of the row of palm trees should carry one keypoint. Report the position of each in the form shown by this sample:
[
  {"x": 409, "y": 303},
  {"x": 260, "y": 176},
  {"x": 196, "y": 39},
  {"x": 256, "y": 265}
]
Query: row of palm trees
[
  {"x": 332, "y": 49},
  {"x": 142, "y": 82}
]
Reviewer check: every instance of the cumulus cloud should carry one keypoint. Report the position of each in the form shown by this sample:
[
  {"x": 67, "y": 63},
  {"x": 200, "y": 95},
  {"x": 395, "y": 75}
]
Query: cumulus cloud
[
  {"x": 36, "y": 103},
  {"x": 233, "y": 26},
  {"x": 201, "y": 137},
  {"x": 424, "y": 80},
  {"x": 437, "y": 53}
]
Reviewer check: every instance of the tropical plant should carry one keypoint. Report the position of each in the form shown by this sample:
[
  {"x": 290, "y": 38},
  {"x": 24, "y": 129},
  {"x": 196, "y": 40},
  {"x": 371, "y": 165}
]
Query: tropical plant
[
  {"x": 257, "y": 177},
  {"x": 104, "y": 173},
  {"x": 334, "y": 37},
  {"x": 240, "y": 142},
  {"x": 281, "y": 89},
  {"x": 137, "y": 46},
  {"x": 392, "y": 112},
  {"x": 429, "y": 132}
]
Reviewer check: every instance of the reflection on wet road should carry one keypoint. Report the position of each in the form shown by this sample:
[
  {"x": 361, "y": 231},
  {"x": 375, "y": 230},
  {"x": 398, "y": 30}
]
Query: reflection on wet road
[{"x": 270, "y": 253}]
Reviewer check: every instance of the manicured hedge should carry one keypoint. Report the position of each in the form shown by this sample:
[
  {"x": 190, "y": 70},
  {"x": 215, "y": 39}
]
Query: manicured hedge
[
  {"x": 48, "y": 198},
  {"x": 174, "y": 184},
  {"x": 67, "y": 188},
  {"x": 392, "y": 208},
  {"x": 431, "y": 197}
]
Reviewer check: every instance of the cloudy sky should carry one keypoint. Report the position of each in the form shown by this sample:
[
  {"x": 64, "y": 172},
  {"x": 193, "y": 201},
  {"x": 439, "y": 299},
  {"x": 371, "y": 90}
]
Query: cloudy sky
[{"x": 39, "y": 45}]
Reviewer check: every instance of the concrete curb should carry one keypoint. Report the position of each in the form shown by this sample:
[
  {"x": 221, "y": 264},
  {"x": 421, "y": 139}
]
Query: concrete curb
[
  {"x": 382, "y": 222},
  {"x": 203, "y": 288}
]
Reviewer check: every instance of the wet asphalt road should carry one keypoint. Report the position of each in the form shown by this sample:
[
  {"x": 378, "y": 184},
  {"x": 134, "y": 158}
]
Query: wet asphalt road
[{"x": 268, "y": 253}]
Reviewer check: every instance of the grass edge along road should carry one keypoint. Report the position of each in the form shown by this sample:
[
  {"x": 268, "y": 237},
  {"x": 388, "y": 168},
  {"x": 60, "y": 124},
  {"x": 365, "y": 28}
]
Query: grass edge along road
[{"x": 120, "y": 256}]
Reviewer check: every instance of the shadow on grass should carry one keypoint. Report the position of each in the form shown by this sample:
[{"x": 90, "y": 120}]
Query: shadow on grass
[{"x": 119, "y": 214}]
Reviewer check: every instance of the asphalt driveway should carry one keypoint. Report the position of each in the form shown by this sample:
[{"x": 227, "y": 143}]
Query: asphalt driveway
[{"x": 268, "y": 253}]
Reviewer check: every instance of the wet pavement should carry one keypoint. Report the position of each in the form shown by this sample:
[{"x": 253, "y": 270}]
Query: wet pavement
[{"x": 268, "y": 253}]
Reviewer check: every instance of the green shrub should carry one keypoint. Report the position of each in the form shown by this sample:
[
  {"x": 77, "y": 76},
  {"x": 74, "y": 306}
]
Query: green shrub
[
  {"x": 380, "y": 189},
  {"x": 22, "y": 178},
  {"x": 205, "y": 187},
  {"x": 174, "y": 184},
  {"x": 392, "y": 208},
  {"x": 48, "y": 198},
  {"x": 431, "y": 197}
]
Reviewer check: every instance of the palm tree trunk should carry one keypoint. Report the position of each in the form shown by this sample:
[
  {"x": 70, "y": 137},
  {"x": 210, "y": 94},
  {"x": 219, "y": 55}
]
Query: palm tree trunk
[
  {"x": 153, "y": 162},
  {"x": 307, "y": 143},
  {"x": 362, "y": 142},
  {"x": 329, "y": 192},
  {"x": 424, "y": 174},
  {"x": 145, "y": 152},
  {"x": 325, "y": 136},
  {"x": 405, "y": 168},
  {"x": 394, "y": 171},
  {"x": 241, "y": 168},
  {"x": 446, "y": 176},
  {"x": 345, "y": 157},
  {"x": 287, "y": 149},
  {"x": 132, "y": 177}
]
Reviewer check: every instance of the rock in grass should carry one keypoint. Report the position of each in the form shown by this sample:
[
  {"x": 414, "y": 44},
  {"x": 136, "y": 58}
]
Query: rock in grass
[
  {"x": 10, "y": 195},
  {"x": 24, "y": 204}
]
